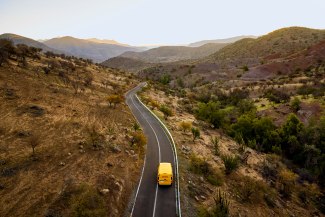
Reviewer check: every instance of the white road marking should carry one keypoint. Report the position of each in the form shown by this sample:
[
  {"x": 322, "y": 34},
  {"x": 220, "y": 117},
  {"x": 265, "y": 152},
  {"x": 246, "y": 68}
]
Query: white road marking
[
  {"x": 154, "y": 208},
  {"x": 178, "y": 203}
]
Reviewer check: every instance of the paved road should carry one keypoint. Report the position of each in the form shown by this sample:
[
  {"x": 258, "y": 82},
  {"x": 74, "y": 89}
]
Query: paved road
[{"x": 152, "y": 200}]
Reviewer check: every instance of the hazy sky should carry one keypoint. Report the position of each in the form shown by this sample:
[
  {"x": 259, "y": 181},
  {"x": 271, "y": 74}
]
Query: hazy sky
[{"x": 156, "y": 21}]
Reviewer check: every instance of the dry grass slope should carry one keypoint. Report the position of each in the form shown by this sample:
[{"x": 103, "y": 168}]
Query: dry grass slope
[{"x": 83, "y": 161}]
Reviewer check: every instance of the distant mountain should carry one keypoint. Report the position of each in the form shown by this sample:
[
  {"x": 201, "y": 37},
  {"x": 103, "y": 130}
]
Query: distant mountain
[
  {"x": 281, "y": 52},
  {"x": 173, "y": 53},
  {"x": 226, "y": 40},
  {"x": 98, "y": 52},
  {"x": 128, "y": 64},
  {"x": 276, "y": 44},
  {"x": 106, "y": 41},
  {"x": 17, "y": 39}
]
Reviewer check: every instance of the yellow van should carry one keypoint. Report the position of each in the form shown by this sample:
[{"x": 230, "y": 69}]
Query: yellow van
[{"x": 165, "y": 174}]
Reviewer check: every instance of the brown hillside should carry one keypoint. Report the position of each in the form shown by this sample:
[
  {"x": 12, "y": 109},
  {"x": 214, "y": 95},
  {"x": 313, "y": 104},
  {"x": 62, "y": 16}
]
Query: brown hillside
[
  {"x": 82, "y": 149},
  {"x": 174, "y": 53}
]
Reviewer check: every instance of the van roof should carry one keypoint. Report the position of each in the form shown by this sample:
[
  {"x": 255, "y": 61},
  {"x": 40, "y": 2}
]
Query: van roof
[{"x": 165, "y": 168}]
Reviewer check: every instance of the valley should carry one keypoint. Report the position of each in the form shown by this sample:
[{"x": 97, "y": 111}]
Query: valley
[{"x": 247, "y": 115}]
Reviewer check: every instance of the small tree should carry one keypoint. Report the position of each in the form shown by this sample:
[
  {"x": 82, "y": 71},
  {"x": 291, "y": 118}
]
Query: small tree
[
  {"x": 295, "y": 104},
  {"x": 195, "y": 133},
  {"x": 95, "y": 138},
  {"x": 166, "y": 111},
  {"x": 33, "y": 142},
  {"x": 186, "y": 126}
]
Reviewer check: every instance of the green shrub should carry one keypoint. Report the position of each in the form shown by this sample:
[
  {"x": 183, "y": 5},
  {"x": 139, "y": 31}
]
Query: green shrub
[
  {"x": 195, "y": 133},
  {"x": 200, "y": 166},
  {"x": 231, "y": 163},
  {"x": 215, "y": 179},
  {"x": 166, "y": 111},
  {"x": 287, "y": 181},
  {"x": 215, "y": 143},
  {"x": 250, "y": 190},
  {"x": 295, "y": 104}
]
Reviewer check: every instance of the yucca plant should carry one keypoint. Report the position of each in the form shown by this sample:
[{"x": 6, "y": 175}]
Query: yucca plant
[
  {"x": 231, "y": 163},
  {"x": 221, "y": 205}
]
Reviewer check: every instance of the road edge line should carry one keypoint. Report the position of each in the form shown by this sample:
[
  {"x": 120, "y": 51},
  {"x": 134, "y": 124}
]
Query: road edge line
[
  {"x": 144, "y": 160},
  {"x": 174, "y": 149}
]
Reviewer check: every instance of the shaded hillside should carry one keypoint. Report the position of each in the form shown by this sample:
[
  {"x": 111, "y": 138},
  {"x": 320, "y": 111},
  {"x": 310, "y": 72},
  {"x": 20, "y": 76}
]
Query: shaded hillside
[
  {"x": 124, "y": 63},
  {"x": 174, "y": 53},
  {"x": 62, "y": 146},
  {"x": 226, "y": 40},
  {"x": 17, "y": 39},
  {"x": 98, "y": 52}
]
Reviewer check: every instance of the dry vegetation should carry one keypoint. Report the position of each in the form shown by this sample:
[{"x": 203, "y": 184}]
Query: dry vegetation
[
  {"x": 249, "y": 180},
  {"x": 63, "y": 150}
]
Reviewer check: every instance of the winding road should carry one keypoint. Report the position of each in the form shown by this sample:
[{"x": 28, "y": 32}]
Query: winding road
[{"x": 150, "y": 199}]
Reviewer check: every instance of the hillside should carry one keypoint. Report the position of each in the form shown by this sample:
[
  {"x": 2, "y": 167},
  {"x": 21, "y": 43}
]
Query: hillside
[
  {"x": 276, "y": 44},
  {"x": 106, "y": 41},
  {"x": 98, "y": 52},
  {"x": 226, "y": 40},
  {"x": 128, "y": 64},
  {"x": 65, "y": 146},
  {"x": 17, "y": 39},
  {"x": 301, "y": 61},
  {"x": 247, "y": 148},
  {"x": 174, "y": 53},
  {"x": 268, "y": 56}
]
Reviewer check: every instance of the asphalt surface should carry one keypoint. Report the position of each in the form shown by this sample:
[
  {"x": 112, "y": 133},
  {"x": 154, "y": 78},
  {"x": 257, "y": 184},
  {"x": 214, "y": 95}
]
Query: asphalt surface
[{"x": 150, "y": 199}]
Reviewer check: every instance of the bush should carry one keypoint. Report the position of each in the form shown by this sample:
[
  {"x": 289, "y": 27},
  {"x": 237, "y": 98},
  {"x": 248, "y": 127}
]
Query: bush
[
  {"x": 200, "y": 166},
  {"x": 166, "y": 111},
  {"x": 212, "y": 113},
  {"x": 231, "y": 163},
  {"x": 277, "y": 96},
  {"x": 295, "y": 104},
  {"x": 287, "y": 181},
  {"x": 245, "y": 68},
  {"x": 215, "y": 143},
  {"x": 138, "y": 141},
  {"x": 221, "y": 208},
  {"x": 165, "y": 79},
  {"x": 114, "y": 99},
  {"x": 215, "y": 179},
  {"x": 250, "y": 190},
  {"x": 6, "y": 49},
  {"x": 185, "y": 125},
  {"x": 88, "y": 203},
  {"x": 95, "y": 138},
  {"x": 308, "y": 193},
  {"x": 271, "y": 167},
  {"x": 195, "y": 133}
]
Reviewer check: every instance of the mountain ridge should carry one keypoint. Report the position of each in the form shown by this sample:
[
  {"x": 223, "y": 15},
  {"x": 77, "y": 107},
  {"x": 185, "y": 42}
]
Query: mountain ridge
[{"x": 225, "y": 40}]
